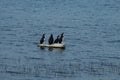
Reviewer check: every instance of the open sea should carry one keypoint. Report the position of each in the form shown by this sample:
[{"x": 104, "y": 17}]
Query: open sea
[{"x": 91, "y": 36}]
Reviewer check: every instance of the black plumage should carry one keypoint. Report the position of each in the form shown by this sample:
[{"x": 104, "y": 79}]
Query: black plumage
[
  {"x": 51, "y": 39},
  {"x": 57, "y": 39},
  {"x": 61, "y": 38},
  {"x": 42, "y": 39}
]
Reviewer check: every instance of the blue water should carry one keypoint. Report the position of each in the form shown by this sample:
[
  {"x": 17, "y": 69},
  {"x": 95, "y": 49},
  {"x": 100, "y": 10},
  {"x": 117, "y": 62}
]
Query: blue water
[{"x": 91, "y": 35}]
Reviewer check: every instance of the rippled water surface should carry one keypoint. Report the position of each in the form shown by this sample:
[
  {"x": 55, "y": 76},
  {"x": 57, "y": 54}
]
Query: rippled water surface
[{"x": 91, "y": 35}]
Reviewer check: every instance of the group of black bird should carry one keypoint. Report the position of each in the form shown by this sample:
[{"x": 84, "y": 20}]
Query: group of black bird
[{"x": 51, "y": 40}]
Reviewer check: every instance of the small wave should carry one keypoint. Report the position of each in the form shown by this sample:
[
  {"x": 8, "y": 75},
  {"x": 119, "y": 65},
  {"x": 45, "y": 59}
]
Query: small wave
[
  {"x": 106, "y": 57},
  {"x": 114, "y": 57},
  {"x": 19, "y": 45},
  {"x": 14, "y": 72},
  {"x": 34, "y": 58},
  {"x": 114, "y": 41},
  {"x": 6, "y": 29}
]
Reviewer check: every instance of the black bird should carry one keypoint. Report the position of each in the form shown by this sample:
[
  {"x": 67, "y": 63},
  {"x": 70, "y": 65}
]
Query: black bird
[
  {"x": 57, "y": 39},
  {"x": 61, "y": 38},
  {"x": 42, "y": 39},
  {"x": 51, "y": 39}
]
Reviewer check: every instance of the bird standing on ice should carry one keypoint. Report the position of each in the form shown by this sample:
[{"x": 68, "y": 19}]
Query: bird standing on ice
[
  {"x": 57, "y": 39},
  {"x": 51, "y": 39},
  {"x": 61, "y": 38},
  {"x": 42, "y": 39}
]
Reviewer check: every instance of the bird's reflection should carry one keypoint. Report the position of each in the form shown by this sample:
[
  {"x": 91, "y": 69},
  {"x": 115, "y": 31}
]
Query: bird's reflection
[
  {"x": 42, "y": 48},
  {"x": 52, "y": 49}
]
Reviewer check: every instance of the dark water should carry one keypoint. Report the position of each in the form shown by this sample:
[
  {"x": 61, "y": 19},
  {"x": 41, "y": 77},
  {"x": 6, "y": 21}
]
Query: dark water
[{"x": 92, "y": 38}]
